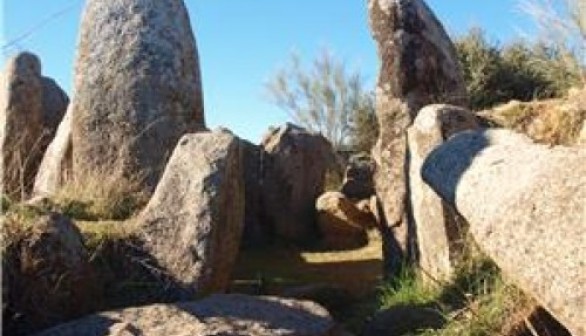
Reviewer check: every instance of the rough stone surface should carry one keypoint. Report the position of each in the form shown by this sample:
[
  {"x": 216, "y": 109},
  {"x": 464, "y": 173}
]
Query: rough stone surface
[
  {"x": 193, "y": 223},
  {"x": 438, "y": 228},
  {"x": 255, "y": 233},
  {"x": 358, "y": 182},
  {"x": 46, "y": 276},
  {"x": 341, "y": 223},
  {"x": 56, "y": 164},
  {"x": 582, "y": 136},
  {"x": 55, "y": 103},
  {"x": 216, "y": 315},
  {"x": 294, "y": 165},
  {"x": 137, "y": 87},
  {"x": 21, "y": 123},
  {"x": 418, "y": 67},
  {"x": 526, "y": 207}
]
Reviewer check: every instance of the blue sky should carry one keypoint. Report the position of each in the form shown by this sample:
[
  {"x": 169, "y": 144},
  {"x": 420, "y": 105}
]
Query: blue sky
[{"x": 242, "y": 43}]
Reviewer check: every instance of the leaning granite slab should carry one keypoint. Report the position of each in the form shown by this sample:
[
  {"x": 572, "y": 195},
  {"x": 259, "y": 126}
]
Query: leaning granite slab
[
  {"x": 192, "y": 225},
  {"x": 526, "y": 206},
  {"x": 439, "y": 229},
  {"x": 215, "y": 315},
  {"x": 56, "y": 163}
]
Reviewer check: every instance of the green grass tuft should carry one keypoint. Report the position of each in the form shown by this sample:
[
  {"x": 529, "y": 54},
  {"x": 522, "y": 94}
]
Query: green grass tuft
[{"x": 407, "y": 289}]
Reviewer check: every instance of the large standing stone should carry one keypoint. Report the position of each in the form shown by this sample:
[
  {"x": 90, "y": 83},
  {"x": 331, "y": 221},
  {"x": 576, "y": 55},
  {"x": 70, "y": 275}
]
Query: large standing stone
[
  {"x": 418, "y": 67},
  {"x": 526, "y": 207},
  {"x": 32, "y": 107},
  {"x": 22, "y": 138},
  {"x": 215, "y": 315},
  {"x": 294, "y": 165},
  {"x": 193, "y": 223},
  {"x": 438, "y": 227},
  {"x": 137, "y": 87}
]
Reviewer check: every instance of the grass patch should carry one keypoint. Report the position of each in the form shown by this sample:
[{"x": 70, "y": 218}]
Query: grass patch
[
  {"x": 477, "y": 302},
  {"x": 486, "y": 314},
  {"x": 406, "y": 289}
]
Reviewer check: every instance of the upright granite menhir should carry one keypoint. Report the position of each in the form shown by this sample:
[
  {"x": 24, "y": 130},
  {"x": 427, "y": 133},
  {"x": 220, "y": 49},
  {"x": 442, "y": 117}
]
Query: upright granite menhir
[
  {"x": 137, "y": 87},
  {"x": 418, "y": 67},
  {"x": 31, "y": 107}
]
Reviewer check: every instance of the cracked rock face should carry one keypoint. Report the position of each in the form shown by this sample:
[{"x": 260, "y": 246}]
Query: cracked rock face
[
  {"x": 418, "y": 66},
  {"x": 137, "y": 87}
]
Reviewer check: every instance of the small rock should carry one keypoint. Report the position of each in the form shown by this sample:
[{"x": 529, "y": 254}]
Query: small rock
[
  {"x": 342, "y": 224},
  {"x": 46, "y": 276},
  {"x": 358, "y": 183}
]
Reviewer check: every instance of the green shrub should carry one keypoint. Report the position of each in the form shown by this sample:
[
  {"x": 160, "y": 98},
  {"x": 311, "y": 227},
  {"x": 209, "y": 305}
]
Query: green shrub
[{"x": 518, "y": 71}]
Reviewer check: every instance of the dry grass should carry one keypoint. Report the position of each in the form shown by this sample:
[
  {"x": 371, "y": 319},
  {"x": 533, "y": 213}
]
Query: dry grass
[
  {"x": 554, "y": 121},
  {"x": 100, "y": 196},
  {"x": 16, "y": 224},
  {"x": 21, "y": 157}
]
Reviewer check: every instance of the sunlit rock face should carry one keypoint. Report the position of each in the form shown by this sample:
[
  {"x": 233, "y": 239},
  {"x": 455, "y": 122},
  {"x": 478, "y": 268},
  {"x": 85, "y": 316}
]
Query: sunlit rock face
[
  {"x": 418, "y": 66},
  {"x": 137, "y": 87}
]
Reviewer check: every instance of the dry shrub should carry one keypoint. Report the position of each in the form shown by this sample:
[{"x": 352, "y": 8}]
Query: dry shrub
[
  {"x": 553, "y": 122},
  {"x": 21, "y": 157}
]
